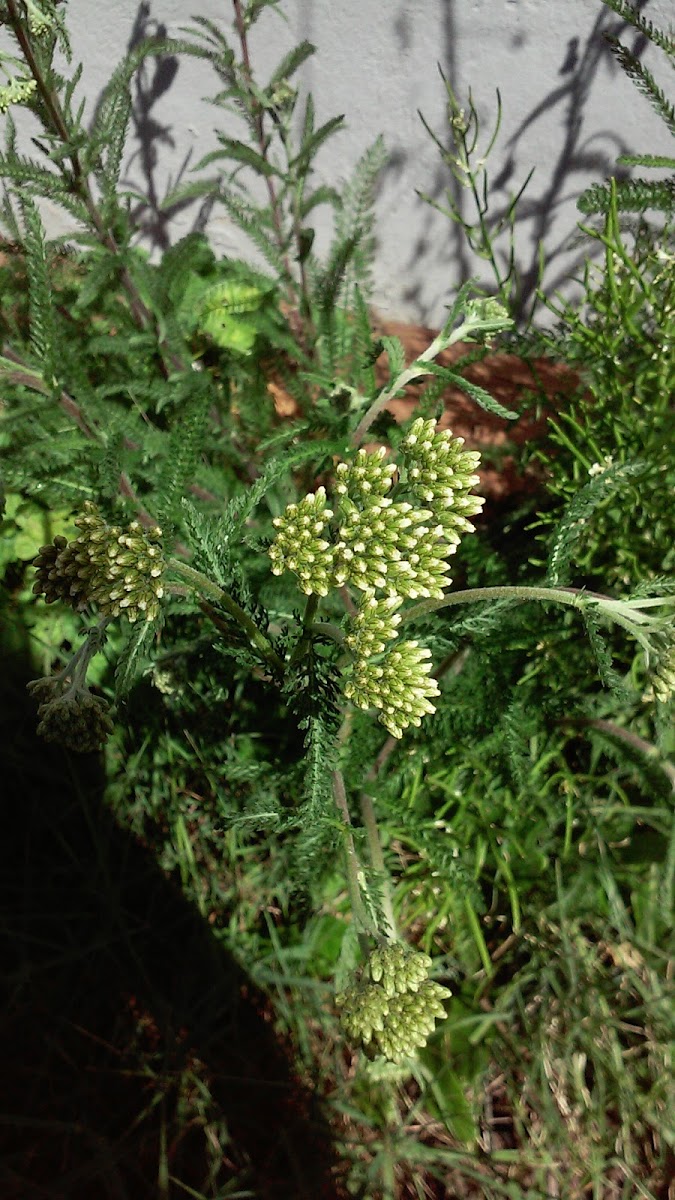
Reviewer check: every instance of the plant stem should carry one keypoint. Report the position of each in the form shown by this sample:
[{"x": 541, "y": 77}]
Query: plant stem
[
  {"x": 354, "y": 870},
  {"x": 201, "y": 583},
  {"x": 306, "y": 638},
  {"x": 329, "y": 630},
  {"x": 571, "y": 596},
  {"x": 626, "y": 613},
  {"x": 412, "y": 372},
  {"x": 257, "y": 114},
  {"x": 417, "y": 370},
  {"x": 378, "y": 864}
]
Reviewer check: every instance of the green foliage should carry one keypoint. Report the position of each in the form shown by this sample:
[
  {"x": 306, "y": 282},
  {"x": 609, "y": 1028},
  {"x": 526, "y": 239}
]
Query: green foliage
[
  {"x": 522, "y": 834},
  {"x": 639, "y": 195}
]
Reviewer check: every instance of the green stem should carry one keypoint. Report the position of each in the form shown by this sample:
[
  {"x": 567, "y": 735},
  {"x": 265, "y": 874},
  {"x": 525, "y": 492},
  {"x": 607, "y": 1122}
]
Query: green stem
[
  {"x": 295, "y": 294},
  {"x": 304, "y": 642},
  {"x": 418, "y": 368},
  {"x": 414, "y": 371},
  {"x": 329, "y": 630},
  {"x": 354, "y": 869},
  {"x": 572, "y": 596},
  {"x": 78, "y": 181},
  {"x": 626, "y": 613},
  {"x": 206, "y": 587},
  {"x": 378, "y": 864}
]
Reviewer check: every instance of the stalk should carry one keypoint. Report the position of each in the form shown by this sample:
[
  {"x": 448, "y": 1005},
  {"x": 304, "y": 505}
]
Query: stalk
[
  {"x": 299, "y": 297},
  {"x": 354, "y": 869},
  {"x": 211, "y": 591}
]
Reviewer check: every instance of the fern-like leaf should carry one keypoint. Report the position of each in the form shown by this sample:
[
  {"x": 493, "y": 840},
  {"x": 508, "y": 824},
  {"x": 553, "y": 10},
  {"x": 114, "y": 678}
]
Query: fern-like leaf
[
  {"x": 40, "y": 300},
  {"x": 632, "y": 195},
  {"x": 572, "y": 526}
]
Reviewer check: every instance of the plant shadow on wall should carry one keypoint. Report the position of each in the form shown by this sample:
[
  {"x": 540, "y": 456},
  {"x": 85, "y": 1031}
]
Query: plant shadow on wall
[
  {"x": 501, "y": 226},
  {"x": 135, "y": 1050},
  {"x": 154, "y": 78}
]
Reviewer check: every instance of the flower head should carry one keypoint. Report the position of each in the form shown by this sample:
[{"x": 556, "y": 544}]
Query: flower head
[
  {"x": 76, "y": 720},
  {"x": 300, "y": 545},
  {"x": 366, "y": 478},
  {"x": 398, "y": 685},
  {"x": 374, "y": 624},
  {"x": 440, "y": 475},
  {"x": 118, "y": 569},
  {"x": 16, "y": 91},
  {"x": 392, "y": 1006}
]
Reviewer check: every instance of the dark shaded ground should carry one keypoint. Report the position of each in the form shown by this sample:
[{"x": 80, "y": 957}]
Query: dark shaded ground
[{"x": 116, "y": 1001}]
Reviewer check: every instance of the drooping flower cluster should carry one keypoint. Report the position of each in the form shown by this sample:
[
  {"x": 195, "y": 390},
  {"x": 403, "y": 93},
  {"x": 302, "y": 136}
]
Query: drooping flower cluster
[
  {"x": 69, "y": 714},
  {"x": 120, "y": 570},
  {"x": 391, "y": 548},
  {"x": 398, "y": 684},
  {"x": 71, "y": 717},
  {"x": 392, "y": 1006}
]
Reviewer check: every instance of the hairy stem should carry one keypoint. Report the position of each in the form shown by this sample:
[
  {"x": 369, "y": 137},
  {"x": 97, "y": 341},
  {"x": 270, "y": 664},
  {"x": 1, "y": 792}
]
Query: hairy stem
[
  {"x": 211, "y": 591},
  {"x": 354, "y": 869},
  {"x": 571, "y": 596},
  {"x": 416, "y": 370},
  {"x": 297, "y": 299},
  {"x": 378, "y": 864}
]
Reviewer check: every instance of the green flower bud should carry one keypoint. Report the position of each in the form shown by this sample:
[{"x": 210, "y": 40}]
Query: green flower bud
[
  {"x": 488, "y": 310},
  {"x": 39, "y": 21},
  {"x": 440, "y": 475},
  {"x": 398, "y": 968},
  {"x": 373, "y": 625},
  {"x": 392, "y": 1005},
  {"x": 398, "y": 685},
  {"x": 300, "y": 546},
  {"x": 119, "y": 570},
  {"x": 366, "y": 478},
  {"x": 388, "y": 546},
  {"x": 16, "y": 91},
  {"x": 57, "y": 574}
]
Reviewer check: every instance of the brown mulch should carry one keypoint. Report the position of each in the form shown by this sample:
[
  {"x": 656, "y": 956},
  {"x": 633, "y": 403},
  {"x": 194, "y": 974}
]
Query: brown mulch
[{"x": 515, "y": 383}]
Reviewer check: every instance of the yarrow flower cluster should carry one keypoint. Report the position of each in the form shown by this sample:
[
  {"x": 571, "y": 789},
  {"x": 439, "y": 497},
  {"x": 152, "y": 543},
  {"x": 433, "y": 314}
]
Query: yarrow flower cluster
[
  {"x": 392, "y": 1006},
  {"x": 374, "y": 624},
  {"x": 398, "y": 684},
  {"x": 69, "y": 714},
  {"x": 301, "y": 547},
  {"x": 440, "y": 475},
  {"x": 120, "y": 570},
  {"x": 390, "y": 547},
  {"x": 16, "y": 91}
]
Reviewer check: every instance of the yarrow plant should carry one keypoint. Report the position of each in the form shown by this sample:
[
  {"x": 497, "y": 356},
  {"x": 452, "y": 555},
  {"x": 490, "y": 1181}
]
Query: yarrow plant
[{"x": 197, "y": 522}]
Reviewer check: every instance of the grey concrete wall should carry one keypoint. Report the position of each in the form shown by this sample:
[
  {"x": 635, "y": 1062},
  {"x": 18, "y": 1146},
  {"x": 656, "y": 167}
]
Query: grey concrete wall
[{"x": 568, "y": 112}]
